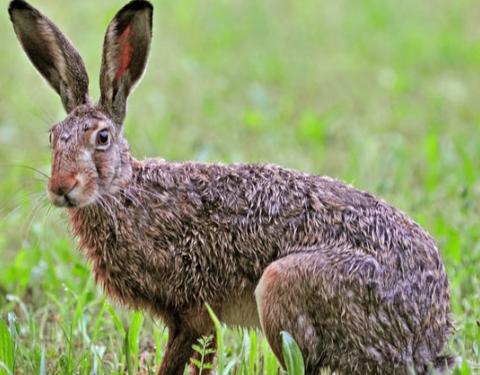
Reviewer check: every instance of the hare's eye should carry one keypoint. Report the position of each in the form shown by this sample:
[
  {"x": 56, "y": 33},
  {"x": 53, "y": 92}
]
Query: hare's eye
[
  {"x": 102, "y": 138},
  {"x": 50, "y": 138}
]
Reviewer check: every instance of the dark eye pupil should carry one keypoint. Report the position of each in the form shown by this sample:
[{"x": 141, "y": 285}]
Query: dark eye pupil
[{"x": 102, "y": 137}]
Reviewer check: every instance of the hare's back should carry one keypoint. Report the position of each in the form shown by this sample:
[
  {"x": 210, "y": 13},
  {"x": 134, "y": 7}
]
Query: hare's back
[{"x": 296, "y": 208}]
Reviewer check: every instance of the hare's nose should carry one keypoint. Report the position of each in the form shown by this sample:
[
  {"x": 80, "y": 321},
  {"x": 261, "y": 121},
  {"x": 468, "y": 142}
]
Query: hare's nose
[{"x": 63, "y": 186}]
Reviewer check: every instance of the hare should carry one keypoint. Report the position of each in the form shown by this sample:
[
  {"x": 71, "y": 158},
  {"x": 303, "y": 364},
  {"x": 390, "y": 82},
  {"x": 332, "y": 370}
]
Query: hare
[{"x": 360, "y": 286}]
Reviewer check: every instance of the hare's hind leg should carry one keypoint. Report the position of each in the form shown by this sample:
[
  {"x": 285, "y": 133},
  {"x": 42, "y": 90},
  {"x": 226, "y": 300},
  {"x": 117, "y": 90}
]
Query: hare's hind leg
[
  {"x": 320, "y": 297},
  {"x": 282, "y": 306}
]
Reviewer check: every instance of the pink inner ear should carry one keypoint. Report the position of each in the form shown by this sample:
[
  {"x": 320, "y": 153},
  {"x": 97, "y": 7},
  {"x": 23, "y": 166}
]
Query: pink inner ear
[{"x": 125, "y": 52}]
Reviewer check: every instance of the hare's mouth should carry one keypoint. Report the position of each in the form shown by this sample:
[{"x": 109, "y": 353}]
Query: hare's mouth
[
  {"x": 68, "y": 201},
  {"x": 75, "y": 198}
]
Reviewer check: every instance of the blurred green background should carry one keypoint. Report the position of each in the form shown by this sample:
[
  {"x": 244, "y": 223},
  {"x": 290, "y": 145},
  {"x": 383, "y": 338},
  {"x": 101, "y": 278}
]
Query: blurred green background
[{"x": 381, "y": 94}]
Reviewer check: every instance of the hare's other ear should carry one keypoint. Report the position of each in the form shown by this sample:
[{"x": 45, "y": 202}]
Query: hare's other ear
[
  {"x": 125, "y": 52},
  {"x": 51, "y": 52}
]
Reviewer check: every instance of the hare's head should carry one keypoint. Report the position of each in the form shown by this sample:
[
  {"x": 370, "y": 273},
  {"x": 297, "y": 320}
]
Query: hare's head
[{"x": 90, "y": 156}]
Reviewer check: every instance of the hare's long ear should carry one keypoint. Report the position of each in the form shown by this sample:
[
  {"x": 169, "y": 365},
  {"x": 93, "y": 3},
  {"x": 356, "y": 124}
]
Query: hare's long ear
[
  {"x": 125, "y": 52},
  {"x": 51, "y": 52}
]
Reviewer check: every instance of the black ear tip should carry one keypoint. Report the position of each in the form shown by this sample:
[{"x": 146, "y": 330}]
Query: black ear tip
[
  {"x": 138, "y": 5},
  {"x": 18, "y": 5}
]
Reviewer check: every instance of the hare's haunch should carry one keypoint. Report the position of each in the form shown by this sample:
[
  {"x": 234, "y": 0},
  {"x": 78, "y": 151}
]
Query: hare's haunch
[{"x": 359, "y": 286}]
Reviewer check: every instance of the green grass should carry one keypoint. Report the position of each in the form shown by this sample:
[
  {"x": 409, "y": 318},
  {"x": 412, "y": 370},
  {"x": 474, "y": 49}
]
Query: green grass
[{"x": 382, "y": 94}]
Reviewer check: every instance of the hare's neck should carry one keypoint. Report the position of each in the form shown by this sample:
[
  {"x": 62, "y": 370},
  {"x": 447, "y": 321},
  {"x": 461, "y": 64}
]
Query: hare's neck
[{"x": 93, "y": 225}]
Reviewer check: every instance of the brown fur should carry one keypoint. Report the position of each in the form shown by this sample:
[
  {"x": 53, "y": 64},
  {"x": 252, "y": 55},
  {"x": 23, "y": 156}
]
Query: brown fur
[{"x": 359, "y": 285}]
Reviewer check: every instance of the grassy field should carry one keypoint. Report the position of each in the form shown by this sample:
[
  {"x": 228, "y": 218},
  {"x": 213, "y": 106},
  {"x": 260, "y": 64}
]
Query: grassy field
[{"x": 381, "y": 94}]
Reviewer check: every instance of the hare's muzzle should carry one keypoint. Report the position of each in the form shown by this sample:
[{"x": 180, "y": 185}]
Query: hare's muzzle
[{"x": 64, "y": 191}]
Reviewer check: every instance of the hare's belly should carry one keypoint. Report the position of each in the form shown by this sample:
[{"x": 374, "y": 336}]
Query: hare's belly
[{"x": 242, "y": 311}]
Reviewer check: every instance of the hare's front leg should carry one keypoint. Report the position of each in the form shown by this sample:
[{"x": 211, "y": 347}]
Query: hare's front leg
[
  {"x": 320, "y": 297},
  {"x": 178, "y": 351}
]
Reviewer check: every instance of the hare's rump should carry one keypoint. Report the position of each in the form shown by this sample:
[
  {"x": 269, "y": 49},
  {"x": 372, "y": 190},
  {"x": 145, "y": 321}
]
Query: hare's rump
[{"x": 341, "y": 311}]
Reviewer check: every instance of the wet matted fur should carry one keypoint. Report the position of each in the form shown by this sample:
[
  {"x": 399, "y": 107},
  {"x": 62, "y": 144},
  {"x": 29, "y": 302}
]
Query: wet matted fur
[{"x": 359, "y": 285}]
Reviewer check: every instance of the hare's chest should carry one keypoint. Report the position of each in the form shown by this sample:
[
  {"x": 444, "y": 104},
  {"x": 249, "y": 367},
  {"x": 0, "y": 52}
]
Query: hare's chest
[
  {"x": 129, "y": 275},
  {"x": 131, "y": 268}
]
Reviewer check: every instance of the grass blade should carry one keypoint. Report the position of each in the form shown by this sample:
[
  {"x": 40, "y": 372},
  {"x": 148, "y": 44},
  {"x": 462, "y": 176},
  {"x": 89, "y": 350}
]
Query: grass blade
[
  {"x": 136, "y": 323},
  {"x": 116, "y": 320},
  {"x": 7, "y": 350},
  {"x": 292, "y": 355},
  {"x": 219, "y": 337}
]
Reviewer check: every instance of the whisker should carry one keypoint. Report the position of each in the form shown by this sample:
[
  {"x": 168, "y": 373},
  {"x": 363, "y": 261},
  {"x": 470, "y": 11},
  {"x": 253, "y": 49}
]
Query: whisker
[
  {"x": 138, "y": 189},
  {"x": 18, "y": 200},
  {"x": 47, "y": 213},
  {"x": 30, "y": 168},
  {"x": 112, "y": 197},
  {"x": 31, "y": 217},
  {"x": 128, "y": 195},
  {"x": 55, "y": 219}
]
